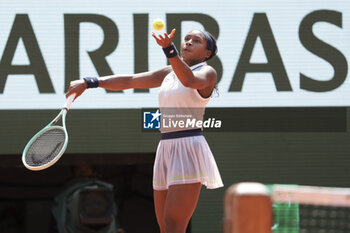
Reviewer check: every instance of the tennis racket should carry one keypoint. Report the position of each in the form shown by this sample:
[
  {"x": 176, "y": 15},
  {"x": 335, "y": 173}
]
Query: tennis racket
[{"x": 48, "y": 145}]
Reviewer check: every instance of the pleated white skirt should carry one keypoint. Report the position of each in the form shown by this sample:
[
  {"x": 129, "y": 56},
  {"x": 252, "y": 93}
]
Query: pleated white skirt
[{"x": 183, "y": 161}]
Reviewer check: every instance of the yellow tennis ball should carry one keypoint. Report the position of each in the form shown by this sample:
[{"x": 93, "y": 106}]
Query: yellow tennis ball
[{"x": 158, "y": 24}]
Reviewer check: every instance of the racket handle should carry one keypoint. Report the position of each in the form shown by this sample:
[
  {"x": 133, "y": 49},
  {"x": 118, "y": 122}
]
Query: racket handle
[{"x": 69, "y": 102}]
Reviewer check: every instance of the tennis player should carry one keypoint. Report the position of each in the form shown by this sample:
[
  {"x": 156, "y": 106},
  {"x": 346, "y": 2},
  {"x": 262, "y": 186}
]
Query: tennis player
[{"x": 184, "y": 161}]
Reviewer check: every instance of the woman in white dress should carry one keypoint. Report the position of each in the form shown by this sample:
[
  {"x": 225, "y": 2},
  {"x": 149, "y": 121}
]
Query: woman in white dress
[{"x": 183, "y": 161}]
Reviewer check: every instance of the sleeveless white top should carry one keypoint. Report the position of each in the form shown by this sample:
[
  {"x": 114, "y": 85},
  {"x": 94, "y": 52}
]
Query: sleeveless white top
[{"x": 176, "y": 99}]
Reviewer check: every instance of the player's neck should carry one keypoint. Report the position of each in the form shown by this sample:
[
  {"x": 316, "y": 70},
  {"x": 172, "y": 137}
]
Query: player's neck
[{"x": 192, "y": 62}]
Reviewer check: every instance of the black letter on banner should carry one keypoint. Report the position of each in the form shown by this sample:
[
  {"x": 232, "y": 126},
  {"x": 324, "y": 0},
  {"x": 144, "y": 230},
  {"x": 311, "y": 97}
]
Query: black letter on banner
[
  {"x": 22, "y": 28},
  {"x": 98, "y": 57},
  {"x": 260, "y": 27},
  {"x": 209, "y": 24},
  {"x": 141, "y": 45},
  {"x": 323, "y": 50}
]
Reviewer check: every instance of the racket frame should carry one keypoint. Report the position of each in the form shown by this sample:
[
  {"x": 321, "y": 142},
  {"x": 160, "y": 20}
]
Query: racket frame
[{"x": 50, "y": 126}]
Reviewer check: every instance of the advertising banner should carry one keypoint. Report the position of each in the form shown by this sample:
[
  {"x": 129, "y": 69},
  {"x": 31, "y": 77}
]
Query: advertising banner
[{"x": 270, "y": 53}]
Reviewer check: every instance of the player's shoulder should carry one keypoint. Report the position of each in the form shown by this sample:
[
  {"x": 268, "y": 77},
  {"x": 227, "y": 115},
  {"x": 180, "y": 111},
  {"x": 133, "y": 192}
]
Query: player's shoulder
[
  {"x": 209, "y": 71},
  {"x": 167, "y": 69},
  {"x": 160, "y": 73},
  {"x": 163, "y": 70}
]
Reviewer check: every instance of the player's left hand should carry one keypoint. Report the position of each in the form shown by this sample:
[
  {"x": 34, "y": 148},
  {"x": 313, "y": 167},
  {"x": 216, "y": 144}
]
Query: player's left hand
[{"x": 166, "y": 40}]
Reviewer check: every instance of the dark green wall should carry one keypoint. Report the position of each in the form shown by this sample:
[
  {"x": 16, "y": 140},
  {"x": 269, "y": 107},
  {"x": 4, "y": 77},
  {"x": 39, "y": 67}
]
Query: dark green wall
[{"x": 303, "y": 157}]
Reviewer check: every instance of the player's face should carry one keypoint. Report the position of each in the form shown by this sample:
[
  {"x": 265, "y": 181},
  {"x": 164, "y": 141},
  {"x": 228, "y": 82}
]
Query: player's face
[{"x": 194, "y": 48}]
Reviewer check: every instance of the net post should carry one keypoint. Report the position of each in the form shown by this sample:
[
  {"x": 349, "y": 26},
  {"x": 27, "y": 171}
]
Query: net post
[{"x": 248, "y": 209}]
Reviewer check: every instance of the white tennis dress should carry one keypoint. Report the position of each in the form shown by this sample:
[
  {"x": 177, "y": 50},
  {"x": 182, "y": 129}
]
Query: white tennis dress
[{"x": 186, "y": 159}]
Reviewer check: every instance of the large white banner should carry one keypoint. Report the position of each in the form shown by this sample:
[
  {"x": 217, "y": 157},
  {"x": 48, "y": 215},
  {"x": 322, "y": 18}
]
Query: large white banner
[{"x": 271, "y": 53}]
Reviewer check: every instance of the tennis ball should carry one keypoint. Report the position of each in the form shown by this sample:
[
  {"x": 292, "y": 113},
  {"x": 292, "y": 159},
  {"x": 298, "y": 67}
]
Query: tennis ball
[{"x": 158, "y": 24}]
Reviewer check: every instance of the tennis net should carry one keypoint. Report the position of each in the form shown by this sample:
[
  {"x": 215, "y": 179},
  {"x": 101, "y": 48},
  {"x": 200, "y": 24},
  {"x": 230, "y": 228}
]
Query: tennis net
[
  {"x": 309, "y": 209},
  {"x": 293, "y": 209}
]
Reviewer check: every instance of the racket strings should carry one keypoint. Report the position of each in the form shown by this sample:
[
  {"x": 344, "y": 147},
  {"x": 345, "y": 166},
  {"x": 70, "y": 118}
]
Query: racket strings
[{"x": 46, "y": 147}]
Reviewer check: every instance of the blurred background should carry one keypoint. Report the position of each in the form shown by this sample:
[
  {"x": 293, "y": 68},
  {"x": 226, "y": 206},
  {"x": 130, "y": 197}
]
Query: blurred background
[{"x": 283, "y": 97}]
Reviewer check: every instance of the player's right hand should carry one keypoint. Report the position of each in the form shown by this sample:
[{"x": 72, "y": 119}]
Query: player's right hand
[{"x": 76, "y": 87}]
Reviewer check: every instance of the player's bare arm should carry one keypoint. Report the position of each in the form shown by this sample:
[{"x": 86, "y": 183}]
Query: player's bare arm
[
  {"x": 148, "y": 79},
  {"x": 203, "y": 80},
  {"x": 145, "y": 80}
]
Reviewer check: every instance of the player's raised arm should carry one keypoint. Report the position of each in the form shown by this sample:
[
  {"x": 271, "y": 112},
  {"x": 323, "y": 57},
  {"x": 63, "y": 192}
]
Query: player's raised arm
[{"x": 194, "y": 50}]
